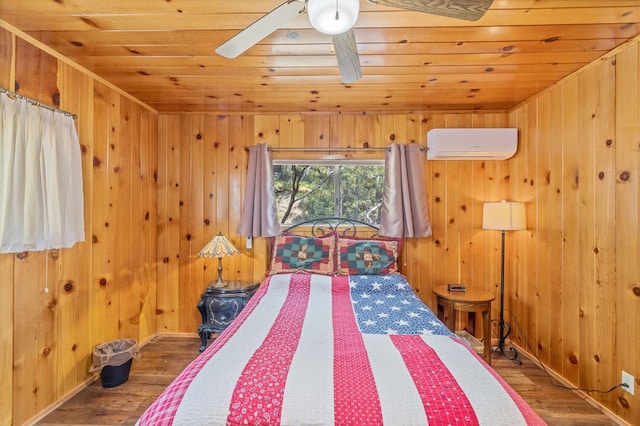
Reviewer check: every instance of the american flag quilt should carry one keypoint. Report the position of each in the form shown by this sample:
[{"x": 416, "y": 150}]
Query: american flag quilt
[
  {"x": 386, "y": 304},
  {"x": 312, "y": 349}
]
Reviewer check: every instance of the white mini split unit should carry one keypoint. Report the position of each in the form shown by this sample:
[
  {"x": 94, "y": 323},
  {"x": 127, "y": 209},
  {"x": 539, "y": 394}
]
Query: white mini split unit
[{"x": 471, "y": 144}]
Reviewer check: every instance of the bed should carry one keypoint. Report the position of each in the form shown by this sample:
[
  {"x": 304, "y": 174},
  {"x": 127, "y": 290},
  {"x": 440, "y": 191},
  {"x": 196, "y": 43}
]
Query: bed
[{"x": 335, "y": 335}]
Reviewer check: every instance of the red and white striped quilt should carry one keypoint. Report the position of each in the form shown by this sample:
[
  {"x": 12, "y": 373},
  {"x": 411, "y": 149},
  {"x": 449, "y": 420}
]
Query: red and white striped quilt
[{"x": 296, "y": 356}]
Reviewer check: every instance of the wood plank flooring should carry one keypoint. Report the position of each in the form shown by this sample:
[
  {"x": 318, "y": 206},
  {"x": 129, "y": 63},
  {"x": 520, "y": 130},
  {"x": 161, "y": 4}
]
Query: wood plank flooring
[{"x": 164, "y": 357}]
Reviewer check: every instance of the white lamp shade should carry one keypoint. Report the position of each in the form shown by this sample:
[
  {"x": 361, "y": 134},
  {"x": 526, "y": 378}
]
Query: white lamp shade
[
  {"x": 503, "y": 216},
  {"x": 323, "y": 14}
]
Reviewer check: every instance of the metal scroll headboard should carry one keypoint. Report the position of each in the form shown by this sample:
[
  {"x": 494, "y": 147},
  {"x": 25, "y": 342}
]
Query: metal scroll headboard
[{"x": 324, "y": 225}]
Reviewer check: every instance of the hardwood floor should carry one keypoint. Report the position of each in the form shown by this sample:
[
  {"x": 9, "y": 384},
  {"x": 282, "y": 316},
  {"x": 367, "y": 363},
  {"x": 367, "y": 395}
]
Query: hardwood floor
[
  {"x": 162, "y": 360},
  {"x": 557, "y": 406},
  {"x": 164, "y": 357}
]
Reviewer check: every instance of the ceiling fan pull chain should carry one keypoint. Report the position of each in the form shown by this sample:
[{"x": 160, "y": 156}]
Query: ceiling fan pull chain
[{"x": 337, "y": 12}]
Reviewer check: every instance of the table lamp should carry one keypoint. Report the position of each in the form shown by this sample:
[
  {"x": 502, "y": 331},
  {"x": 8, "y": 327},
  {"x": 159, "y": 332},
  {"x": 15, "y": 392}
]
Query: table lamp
[{"x": 219, "y": 247}]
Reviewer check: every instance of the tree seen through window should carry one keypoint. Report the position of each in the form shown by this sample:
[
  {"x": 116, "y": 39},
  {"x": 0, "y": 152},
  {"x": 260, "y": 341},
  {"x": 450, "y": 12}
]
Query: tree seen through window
[{"x": 309, "y": 191}]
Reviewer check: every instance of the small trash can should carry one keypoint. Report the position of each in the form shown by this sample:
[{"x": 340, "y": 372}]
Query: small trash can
[{"x": 113, "y": 361}]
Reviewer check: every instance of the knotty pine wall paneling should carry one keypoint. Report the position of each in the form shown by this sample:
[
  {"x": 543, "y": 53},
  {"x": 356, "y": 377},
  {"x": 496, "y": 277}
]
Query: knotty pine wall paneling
[
  {"x": 147, "y": 222},
  {"x": 570, "y": 227},
  {"x": 603, "y": 113},
  {"x": 436, "y": 194},
  {"x": 196, "y": 213},
  {"x": 588, "y": 234},
  {"x": 187, "y": 168},
  {"x": 74, "y": 263},
  {"x": 542, "y": 180},
  {"x": 626, "y": 291},
  {"x": 575, "y": 287},
  {"x": 169, "y": 142},
  {"x": 202, "y": 165},
  {"x": 36, "y": 351},
  {"x": 209, "y": 174},
  {"x": 7, "y": 80},
  {"x": 238, "y": 161},
  {"x": 121, "y": 200},
  {"x": 100, "y": 289},
  {"x": 550, "y": 226},
  {"x": 102, "y": 319},
  {"x": 222, "y": 150},
  {"x": 523, "y": 304},
  {"x": 7, "y": 60}
]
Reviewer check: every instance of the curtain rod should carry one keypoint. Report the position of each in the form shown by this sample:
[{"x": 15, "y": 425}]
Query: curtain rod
[
  {"x": 325, "y": 149},
  {"x": 37, "y": 103}
]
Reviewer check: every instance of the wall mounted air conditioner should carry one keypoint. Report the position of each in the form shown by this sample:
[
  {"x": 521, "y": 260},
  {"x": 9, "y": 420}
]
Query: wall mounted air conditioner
[{"x": 471, "y": 144}]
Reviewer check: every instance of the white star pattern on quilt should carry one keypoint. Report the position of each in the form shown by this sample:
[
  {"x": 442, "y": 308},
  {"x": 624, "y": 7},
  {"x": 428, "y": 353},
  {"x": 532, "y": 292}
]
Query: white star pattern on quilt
[{"x": 391, "y": 307}]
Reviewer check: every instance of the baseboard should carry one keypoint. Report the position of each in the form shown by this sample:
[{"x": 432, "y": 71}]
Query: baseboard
[
  {"x": 594, "y": 403},
  {"x": 61, "y": 401},
  {"x": 175, "y": 335}
]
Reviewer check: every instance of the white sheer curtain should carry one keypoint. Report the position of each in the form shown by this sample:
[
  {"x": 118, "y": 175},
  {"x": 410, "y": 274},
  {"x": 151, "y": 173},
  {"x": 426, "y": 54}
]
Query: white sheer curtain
[
  {"x": 259, "y": 214},
  {"x": 41, "y": 200},
  {"x": 404, "y": 200}
]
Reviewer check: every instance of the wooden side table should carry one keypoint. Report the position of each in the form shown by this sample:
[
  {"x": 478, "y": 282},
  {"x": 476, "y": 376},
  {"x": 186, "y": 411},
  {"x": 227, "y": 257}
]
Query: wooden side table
[
  {"x": 471, "y": 301},
  {"x": 219, "y": 306}
]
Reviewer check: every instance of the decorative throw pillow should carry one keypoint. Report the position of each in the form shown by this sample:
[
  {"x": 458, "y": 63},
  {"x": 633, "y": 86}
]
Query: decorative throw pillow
[
  {"x": 294, "y": 253},
  {"x": 367, "y": 256}
]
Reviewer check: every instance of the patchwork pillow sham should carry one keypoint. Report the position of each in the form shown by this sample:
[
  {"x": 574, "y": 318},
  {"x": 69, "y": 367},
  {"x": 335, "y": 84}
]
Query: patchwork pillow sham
[
  {"x": 295, "y": 253},
  {"x": 368, "y": 256}
]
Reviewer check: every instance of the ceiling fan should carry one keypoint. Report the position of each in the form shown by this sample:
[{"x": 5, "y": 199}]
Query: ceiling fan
[{"x": 336, "y": 18}]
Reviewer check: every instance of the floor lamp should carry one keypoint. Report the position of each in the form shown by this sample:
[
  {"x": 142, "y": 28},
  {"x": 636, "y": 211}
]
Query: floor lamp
[{"x": 504, "y": 216}]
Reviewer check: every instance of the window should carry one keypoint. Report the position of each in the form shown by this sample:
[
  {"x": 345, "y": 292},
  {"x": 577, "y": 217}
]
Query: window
[{"x": 312, "y": 190}]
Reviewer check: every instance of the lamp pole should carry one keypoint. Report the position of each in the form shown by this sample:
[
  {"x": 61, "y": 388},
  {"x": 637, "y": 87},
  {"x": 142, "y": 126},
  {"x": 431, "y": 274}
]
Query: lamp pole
[{"x": 510, "y": 353}]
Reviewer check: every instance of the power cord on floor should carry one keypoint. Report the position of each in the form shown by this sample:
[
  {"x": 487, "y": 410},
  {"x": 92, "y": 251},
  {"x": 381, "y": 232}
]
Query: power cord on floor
[{"x": 551, "y": 380}]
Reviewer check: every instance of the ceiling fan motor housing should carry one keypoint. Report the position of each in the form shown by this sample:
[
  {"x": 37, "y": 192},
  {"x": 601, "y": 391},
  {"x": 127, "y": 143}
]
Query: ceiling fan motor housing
[{"x": 331, "y": 17}]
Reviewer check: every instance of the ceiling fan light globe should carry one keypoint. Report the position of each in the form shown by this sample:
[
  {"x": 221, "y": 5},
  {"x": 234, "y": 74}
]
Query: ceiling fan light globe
[{"x": 322, "y": 15}]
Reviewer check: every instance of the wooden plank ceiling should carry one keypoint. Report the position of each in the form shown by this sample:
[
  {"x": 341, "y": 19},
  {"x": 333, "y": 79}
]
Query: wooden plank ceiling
[{"x": 162, "y": 52}]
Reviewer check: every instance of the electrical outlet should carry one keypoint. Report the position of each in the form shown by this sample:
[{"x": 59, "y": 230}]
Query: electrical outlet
[{"x": 628, "y": 382}]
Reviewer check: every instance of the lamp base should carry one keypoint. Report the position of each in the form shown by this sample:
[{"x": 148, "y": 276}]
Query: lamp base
[
  {"x": 510, "y": 352},
  {"x": 219, "y": 284}
]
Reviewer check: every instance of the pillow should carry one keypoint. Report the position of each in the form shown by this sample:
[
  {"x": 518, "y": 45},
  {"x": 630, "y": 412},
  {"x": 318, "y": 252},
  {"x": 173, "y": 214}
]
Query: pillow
[
  {"x": 358, "y": 256},
  {"x": 295, "y": 253}
]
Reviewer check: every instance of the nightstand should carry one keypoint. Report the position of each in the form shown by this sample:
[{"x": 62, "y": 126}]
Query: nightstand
[
  {"x": 471, "y": 301},
  {"x": 220, "y": 306}
]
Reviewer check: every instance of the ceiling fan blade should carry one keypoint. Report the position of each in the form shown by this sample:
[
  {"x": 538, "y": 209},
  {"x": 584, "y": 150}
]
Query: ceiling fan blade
[
  {"x": 347, "y": 55},
  {"x": 264, "y": 26},
  {"x": 469, "y": 10}
]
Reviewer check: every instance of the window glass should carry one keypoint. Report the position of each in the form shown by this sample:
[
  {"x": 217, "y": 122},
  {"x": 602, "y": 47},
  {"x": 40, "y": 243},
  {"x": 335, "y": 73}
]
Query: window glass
[{"x": 308, "y": 191}]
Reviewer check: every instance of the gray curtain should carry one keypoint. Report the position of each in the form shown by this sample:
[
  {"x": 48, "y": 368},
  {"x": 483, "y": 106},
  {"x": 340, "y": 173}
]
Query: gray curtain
[
  {"x": 259, "y": 215},
  {"x": 404, "y": 200}
]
